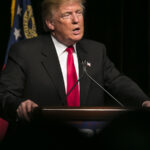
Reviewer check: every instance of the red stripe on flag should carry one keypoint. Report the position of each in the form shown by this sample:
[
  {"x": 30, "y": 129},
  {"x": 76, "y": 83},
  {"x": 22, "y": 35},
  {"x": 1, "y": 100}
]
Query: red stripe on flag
[{"x": 3, "y": 128}]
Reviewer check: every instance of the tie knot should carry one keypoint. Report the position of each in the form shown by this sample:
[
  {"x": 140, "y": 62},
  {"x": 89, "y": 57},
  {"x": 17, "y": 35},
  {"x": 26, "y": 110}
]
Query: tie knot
[{"x": 69, "y": 49}]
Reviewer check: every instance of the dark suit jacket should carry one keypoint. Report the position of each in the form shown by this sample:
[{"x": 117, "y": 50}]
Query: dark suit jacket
[{"x": 33, "y": 72}]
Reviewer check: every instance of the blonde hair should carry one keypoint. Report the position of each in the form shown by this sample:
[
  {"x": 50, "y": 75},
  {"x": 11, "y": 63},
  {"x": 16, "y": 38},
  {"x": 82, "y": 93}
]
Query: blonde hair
[{"x": 48, "y": 6}]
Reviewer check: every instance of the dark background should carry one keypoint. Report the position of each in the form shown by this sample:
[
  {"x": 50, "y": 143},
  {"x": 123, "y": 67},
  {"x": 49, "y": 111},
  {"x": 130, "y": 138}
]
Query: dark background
[{"x": 122, "y": 25}]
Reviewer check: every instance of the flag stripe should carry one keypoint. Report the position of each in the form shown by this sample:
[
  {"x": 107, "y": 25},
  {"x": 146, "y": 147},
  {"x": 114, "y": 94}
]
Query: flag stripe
[{"x": 12, "y": 12}]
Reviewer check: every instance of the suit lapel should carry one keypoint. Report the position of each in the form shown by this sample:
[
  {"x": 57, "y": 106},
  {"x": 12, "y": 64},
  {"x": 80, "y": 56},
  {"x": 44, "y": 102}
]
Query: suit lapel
[
  {"x": 84, "y": 81},
  {"x": 52, "y": 67}
]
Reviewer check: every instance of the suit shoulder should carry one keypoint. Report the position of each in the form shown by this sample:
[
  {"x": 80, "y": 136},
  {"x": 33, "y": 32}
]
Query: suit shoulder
[
  {"x": 27, "y": 42},
  {"x": 27, "y": 45},
  {"x": 92, "y": 45},
  {"x": 89, "y": 42}
]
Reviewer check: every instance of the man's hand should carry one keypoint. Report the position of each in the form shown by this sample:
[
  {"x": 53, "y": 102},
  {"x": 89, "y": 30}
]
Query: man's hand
[
  {"x": 25, "y": 109},
  {"x": 146, "y": 104}
]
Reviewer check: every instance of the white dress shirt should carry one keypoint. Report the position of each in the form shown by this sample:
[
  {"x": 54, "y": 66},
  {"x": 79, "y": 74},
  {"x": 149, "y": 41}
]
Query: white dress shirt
[{"x": 62, "y": 55}]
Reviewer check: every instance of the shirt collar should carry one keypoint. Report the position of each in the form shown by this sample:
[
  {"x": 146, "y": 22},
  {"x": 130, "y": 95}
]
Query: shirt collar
[{"x": 60, "y": 48}]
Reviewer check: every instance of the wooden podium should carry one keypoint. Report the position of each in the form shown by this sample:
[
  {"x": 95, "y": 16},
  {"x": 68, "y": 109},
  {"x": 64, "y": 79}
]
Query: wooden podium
[
  {"x": 78, "y": 113},
  {"x": 88, "y": 120},
  {"x": 91, "y": 127}
]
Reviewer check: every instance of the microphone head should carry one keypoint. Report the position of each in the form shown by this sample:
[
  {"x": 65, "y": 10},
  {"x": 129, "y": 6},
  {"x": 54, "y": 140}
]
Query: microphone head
[{"x": 84, "y": 63}]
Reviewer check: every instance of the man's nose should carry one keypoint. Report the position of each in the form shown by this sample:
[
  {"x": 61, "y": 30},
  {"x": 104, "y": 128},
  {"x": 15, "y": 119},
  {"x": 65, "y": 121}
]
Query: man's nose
[{"x": 75, "y": 18}]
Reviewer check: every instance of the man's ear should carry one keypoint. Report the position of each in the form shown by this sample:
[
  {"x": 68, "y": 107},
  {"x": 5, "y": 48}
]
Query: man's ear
[{"x": 50, "y": 24}]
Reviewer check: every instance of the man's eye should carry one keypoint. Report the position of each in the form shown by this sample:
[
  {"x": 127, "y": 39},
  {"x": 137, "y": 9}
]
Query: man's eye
[
  {"x": 65, "y": 15},
  {"x": 79, "y": 12}
]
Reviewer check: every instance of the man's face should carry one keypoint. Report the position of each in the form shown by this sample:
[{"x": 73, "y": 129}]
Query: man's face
[{"x": 68, "y": 23}]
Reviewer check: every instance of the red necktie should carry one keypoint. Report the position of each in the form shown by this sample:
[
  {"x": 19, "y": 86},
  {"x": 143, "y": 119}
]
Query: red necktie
[{"x": 73, "y": 98}]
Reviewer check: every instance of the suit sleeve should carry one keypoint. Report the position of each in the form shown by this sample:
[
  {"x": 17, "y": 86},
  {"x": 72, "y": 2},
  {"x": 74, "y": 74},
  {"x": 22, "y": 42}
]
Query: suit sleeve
[
  {"x": 12, "y": 81},
  {"x": 121, "y": 86}
]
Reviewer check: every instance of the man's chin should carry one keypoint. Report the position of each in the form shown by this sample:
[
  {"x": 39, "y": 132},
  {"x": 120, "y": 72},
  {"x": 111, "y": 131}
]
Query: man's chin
[
  {"x": 73, "y": 40},
  {"x": 77, "y": 38}
]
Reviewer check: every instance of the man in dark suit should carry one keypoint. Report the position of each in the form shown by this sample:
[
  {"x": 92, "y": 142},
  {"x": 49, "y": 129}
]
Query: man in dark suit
[{"x": 36, "y": 72}]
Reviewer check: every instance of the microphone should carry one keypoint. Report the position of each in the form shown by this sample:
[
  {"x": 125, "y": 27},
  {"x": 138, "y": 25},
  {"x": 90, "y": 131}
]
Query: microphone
[
  {"x": 85, "y": 71},
  {"x": 75, "y": 84}
]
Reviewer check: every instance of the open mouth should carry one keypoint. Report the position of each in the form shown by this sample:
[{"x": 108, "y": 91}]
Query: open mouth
[{"x": 76, "y": 30}]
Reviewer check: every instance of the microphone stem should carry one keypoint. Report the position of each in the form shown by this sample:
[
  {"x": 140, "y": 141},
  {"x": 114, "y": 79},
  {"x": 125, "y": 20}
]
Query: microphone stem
[
  {"x": 75, "y": 84},
  {"x": 103, "y": 88},
  {"x": 73, "y": 87}
]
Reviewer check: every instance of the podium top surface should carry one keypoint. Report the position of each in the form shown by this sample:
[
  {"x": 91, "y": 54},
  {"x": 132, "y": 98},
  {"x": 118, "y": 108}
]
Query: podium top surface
[{"x": 60, "y": 113}]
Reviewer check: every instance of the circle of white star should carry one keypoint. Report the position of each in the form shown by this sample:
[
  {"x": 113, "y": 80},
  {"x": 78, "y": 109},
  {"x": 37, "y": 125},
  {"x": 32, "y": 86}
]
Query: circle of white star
[
  {"x": 17, "y": 33},
  {"x": 19, "y": 10}
]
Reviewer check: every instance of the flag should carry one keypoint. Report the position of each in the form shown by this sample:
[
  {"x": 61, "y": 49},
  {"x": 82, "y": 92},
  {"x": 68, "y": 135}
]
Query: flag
[
  {"x": 3, "y": 128},
  {"x": 22, "y": 23}
]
